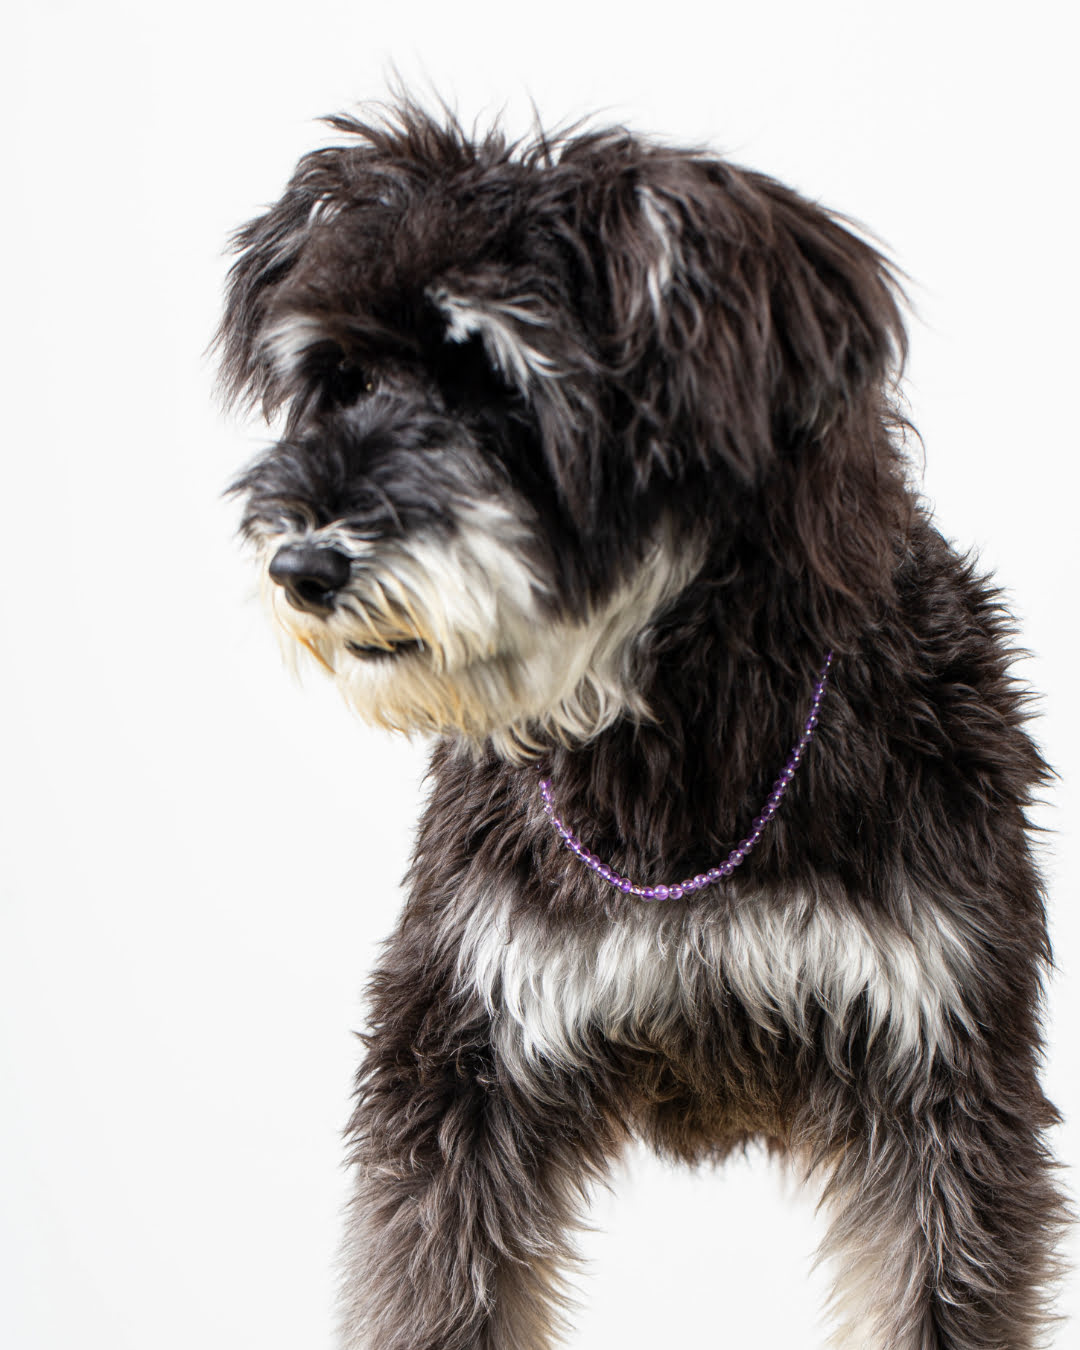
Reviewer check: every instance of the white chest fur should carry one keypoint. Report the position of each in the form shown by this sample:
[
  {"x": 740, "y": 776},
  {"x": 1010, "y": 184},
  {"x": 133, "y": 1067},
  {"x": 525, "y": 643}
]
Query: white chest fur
[{"x": 781, "y": 957}]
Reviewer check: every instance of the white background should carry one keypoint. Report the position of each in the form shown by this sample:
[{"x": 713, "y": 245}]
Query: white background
[{"x": 198, "y": 858}]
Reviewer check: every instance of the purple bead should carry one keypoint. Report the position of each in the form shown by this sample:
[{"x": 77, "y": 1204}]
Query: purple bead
[
  {"x": 605, "y": 872},
  {"x": 661, "y": 892},
  {"x": 648, "y": 893},
  {"x": 624, "y": 884},
  {"x": 713, "y": 874},
  {"x": 727, "y": 868},
  {"x": 737, "y": 855},
  {"x": 675, "y": 893},
  {"x": 700, "y": 880}
]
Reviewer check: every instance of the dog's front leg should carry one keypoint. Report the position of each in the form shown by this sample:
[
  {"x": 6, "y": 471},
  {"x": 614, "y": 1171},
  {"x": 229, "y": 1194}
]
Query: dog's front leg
[
  {"x": 946, "y": 1209},
  {"x": 467, "y": 1179}
]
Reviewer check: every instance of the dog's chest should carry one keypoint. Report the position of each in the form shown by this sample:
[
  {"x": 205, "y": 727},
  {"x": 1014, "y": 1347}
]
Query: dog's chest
[{"x": 786, "y": 962}]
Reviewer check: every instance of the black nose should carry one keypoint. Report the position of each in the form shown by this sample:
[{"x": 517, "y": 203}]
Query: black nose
[{"x": 310, "y": 575}]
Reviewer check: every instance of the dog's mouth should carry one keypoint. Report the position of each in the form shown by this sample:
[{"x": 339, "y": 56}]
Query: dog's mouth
[{"x": 384, "y": 652}]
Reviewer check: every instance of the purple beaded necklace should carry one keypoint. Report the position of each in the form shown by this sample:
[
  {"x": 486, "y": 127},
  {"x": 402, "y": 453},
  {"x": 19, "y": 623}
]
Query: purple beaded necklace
[{"x": 737, "y": 854}]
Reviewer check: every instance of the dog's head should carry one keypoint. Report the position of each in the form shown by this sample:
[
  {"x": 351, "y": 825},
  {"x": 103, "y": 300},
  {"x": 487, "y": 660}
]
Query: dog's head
[{"x": 528, "y": 395}]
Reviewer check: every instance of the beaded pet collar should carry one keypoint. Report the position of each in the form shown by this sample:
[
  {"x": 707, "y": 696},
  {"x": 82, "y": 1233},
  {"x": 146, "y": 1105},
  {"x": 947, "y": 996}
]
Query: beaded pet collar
[{"x": 737, "y": 854}]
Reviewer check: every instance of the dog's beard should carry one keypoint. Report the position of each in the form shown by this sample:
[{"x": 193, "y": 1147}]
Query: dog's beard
[{"x": 454, "y": 633}]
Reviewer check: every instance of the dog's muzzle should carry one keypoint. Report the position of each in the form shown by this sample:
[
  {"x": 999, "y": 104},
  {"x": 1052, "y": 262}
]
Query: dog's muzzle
[{"x": 310, "y": 575}]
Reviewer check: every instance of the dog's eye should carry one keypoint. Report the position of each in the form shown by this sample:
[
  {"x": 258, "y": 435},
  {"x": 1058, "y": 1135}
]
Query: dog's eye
[
  {"x": 337, "y": 379},
  {"x": 345, "y": 382}
]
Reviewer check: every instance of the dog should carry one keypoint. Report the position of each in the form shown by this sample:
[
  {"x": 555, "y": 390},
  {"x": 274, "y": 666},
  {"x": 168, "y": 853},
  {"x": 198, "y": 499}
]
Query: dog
[{"x": 590, "y": 464}]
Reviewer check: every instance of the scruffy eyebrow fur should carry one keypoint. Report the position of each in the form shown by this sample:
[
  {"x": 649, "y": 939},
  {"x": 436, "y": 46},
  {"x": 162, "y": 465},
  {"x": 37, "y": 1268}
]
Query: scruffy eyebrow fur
[{"x": 502, "y": 327}]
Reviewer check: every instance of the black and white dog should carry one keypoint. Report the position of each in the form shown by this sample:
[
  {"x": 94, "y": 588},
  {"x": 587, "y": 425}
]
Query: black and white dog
[{"x": 588, "y": 466}]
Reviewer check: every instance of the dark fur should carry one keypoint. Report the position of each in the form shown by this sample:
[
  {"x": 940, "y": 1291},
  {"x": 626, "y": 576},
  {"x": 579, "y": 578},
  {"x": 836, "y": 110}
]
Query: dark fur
[{"x": 751, "y": 408}]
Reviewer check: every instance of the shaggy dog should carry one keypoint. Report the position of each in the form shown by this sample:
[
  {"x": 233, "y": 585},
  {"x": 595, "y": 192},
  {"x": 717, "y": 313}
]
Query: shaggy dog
[{"x": 588, "y": 466}]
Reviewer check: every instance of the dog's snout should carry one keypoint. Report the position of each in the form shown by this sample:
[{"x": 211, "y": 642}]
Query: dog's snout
[{"x": 310, "y": 575}]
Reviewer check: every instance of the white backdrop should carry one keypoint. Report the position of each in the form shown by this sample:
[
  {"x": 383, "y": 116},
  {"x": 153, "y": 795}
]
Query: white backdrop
[{"x": 198, "y": 858}]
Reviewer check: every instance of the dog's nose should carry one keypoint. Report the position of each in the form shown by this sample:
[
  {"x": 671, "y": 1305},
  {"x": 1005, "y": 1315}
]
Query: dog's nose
[{"x": 310, "y": 575}]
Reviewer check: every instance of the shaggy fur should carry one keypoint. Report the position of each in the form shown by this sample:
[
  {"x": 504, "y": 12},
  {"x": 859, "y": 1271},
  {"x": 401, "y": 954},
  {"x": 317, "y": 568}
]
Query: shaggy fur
[{"x": 587, "y": 457}]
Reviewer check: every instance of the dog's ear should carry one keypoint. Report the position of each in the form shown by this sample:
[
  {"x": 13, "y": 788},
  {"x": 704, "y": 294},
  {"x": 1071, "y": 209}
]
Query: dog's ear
[
  {"x": 840, "y": 508},
  {"x": 268, "y": 248},
  {"x": 834, "y": 311},
  {"x": 758, "y": 338},
  {"x": 744, "y": 317}
]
